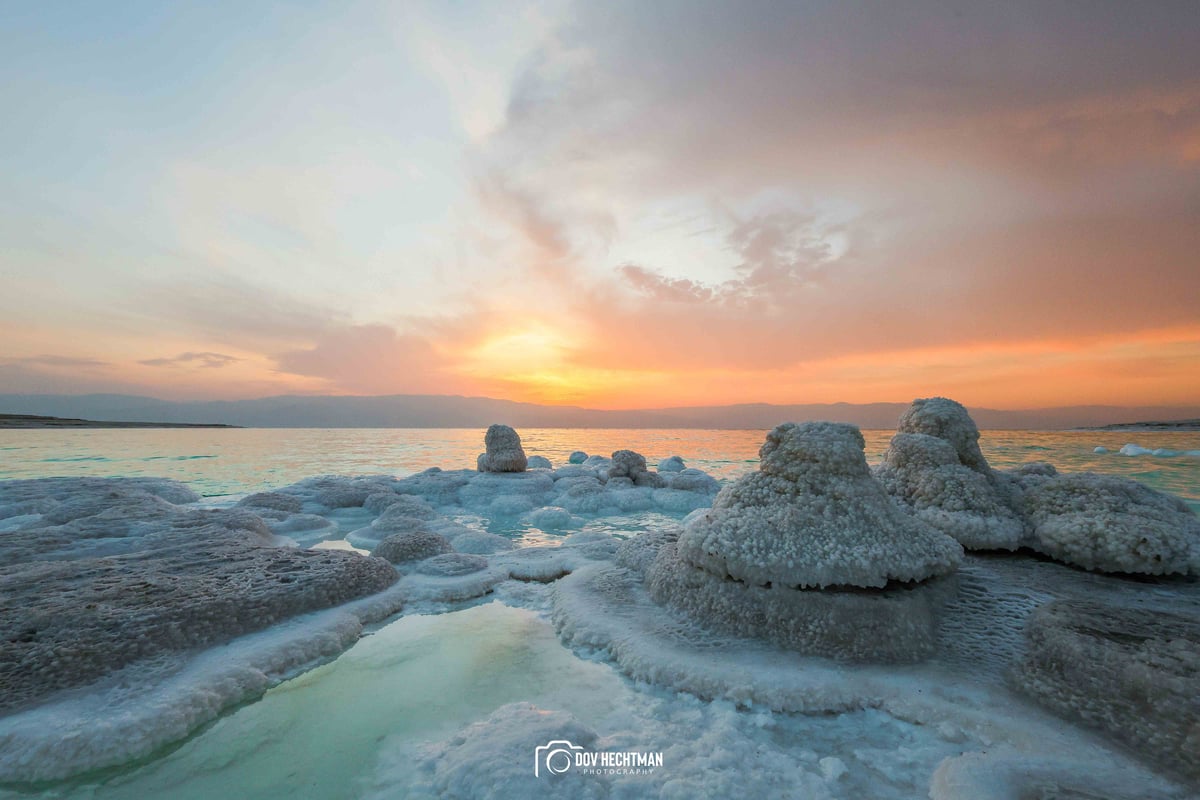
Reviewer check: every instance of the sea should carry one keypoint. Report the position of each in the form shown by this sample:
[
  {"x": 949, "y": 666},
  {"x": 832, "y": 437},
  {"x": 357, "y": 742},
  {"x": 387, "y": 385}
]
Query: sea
[{"x": 224, "y": 462}]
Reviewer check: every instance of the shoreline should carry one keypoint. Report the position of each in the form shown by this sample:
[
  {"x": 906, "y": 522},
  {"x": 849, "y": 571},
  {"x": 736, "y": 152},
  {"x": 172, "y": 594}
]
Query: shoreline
[
  {"x": 33, "y": 422},
  {"x": 1183, "y": 426}
]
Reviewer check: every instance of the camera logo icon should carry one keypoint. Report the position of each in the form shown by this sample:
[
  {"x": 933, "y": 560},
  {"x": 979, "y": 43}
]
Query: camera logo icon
[{"x": 554, "y": 758}]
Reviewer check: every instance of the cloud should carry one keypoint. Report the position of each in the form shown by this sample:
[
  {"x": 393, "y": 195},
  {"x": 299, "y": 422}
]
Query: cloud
[
  {"x": 371, "y": 359},
  {"x": 900, "y": 177},
  {"x": 662, "y": 289},
  {"x": 54, "y": 361},
  {"x": 203, "y": 360}
]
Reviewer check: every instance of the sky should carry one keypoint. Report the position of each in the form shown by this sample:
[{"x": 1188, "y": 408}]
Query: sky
[{"x": 616, "y": 205}]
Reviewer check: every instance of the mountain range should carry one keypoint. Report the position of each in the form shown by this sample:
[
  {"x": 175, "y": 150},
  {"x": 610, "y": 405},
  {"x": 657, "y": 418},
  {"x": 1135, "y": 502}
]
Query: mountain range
[{"x": 452, "y": 411}]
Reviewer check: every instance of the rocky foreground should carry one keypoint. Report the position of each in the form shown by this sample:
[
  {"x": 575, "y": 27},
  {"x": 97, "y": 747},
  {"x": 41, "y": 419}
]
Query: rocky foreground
[{"x": 931, "y": 586}]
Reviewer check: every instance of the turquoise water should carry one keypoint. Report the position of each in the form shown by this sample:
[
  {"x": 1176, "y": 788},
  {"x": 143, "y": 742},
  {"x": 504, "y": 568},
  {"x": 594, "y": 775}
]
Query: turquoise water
[{"x": 217, "y": 462}]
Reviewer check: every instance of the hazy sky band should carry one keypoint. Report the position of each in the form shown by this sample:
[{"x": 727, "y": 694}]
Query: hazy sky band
[{"x": 611, "y": 204}]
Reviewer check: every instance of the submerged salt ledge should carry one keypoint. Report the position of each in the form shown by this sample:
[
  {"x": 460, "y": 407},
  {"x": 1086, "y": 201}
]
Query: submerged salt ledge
[{"x": 814, "y": 516}]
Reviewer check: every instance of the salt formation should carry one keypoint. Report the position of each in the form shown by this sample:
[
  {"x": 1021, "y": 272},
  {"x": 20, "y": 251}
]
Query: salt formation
[
  {"x": 414, "y": 545},
  {"x": 274, "y": 501},
  {"x": 493, "y": 758},
  {"x": 1132, "y": 672},
  {"x": 632, "y": 466},
  {"x": 671, "y": 464},
  {"x": 111, "y": 573},
  {"x": 411, "y": 526},
  {"x": 1113, "y": 524},
  {"x": 548, "y": 498},
  {"x": 539, "y": 462},
  {"x": 935, "y": 469},
  {"x": 504, "y": 452},
  {"x": 811, "y": 518},
  {"x": 1007, "y": 775}
]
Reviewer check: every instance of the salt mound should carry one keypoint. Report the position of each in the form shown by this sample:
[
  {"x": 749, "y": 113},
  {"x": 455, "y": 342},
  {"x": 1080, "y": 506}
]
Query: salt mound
[
  {"x": 1112, "y": 524},
  {"x": 631, "y": 465},
  {"x": 172, "y": 579},
  {"x": 926, "y": 476},
  {"x": 504, "y": 452},
  {"x": 330, "y": 492},
  {"x": 402, "y": 508},
  {"x": 671, "y": 464},
  {"x": 813, "y": 516},
  {"x": 452, "y": 565},
  {"x": 414, "y": 545},
  {"x": 539, "y": 462},
  {"x": 894, "y": 625},
  {"x": 946, "y": 419},
  {"x": 1132, "y": 672},
  {"x": 936, "y": 471},
  {"x": 275, "y": 501}
]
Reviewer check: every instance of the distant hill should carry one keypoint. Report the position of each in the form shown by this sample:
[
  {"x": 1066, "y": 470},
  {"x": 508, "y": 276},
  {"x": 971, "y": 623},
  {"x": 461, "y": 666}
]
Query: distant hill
[
  {"x": 1158, "y": 425},
  {"x": 35, "y": 421},
  {"x": 452, "y": 411}
]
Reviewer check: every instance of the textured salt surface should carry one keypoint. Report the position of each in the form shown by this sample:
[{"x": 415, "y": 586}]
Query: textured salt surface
[{"x": 452, "y": 705}]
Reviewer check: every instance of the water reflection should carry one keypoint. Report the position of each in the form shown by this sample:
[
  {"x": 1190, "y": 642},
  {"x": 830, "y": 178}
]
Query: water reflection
[{"x": 219, "y": 462}]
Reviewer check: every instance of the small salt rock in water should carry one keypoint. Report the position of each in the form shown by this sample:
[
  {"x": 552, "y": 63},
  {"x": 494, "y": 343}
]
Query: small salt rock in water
[
  {"x": 1101, "y": 450},
  {"x": 671, "y": 464},
  {"x": 577, "y": 457},
  {"x": 504, "y": 451},
  {"x": 539, "y": 462}
]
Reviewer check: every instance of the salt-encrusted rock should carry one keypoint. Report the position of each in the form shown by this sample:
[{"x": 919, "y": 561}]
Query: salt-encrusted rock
[
  {"x": 551, "y": 518},
  {"x": 813, "y": 516},
  {"x": 172, "y": 579},
  {"x": 436, "y": 486},
  {"x": 892, "y": 625},
  {"x": 414, "y": 545},
  {"x": 376, "y": 502},
  {"x": 693, "y": 480},
  {"x": 1030, "y": 474},
  {"x": 946, "y": 419},
  {"x": 50, "y": 492},
  {"x": 927, "y": 477},
  {"x": 404, "y": 507},
  {"x": 539, "y": 462},
  {"x": 577, "y": 457},
  {"x": 452, "y": 565},
  {"x": 671, "y": 464},
  {"x": 1112, "y": 524},
  {"x": 631, "y": 465},
  {"x": 1132, "y": 672},
  {"x": 276, "y": 501},
  {"x": 640, "y": 552},
  {"x": 504, "y": 451},
  {"x": 811, "y": 519},
  {"x": 936, "y": 471},
  {"x": 476, "y": 542},
  {"x": 340, "y": 491}
]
